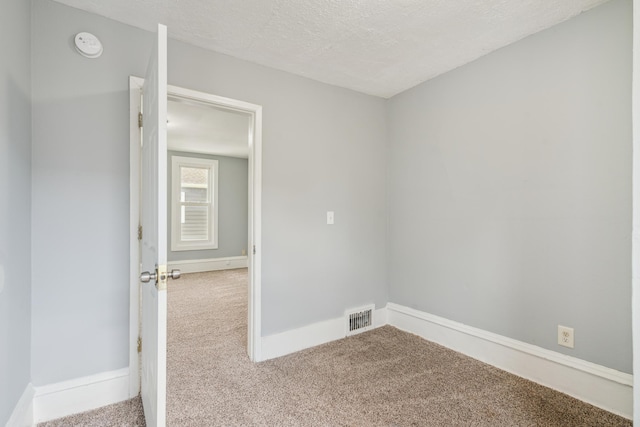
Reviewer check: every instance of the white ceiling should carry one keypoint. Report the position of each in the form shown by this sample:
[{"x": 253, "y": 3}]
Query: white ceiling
[
  {"x": 379, "y": 47},
  {"x": 199, "y": 128}
]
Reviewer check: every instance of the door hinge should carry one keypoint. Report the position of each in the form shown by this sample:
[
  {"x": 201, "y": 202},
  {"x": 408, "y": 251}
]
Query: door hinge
[
  {"x": 139, "y": 344},
  {"x": 139, "y": 120},
  {"x": 254, "y": 249},
  {"x": 139, "y": 232}
]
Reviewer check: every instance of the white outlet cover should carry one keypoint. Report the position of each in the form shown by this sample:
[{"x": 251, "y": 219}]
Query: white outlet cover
[
  {"x": 88, "y": 45},
  {"x": 565, "y": 336}
]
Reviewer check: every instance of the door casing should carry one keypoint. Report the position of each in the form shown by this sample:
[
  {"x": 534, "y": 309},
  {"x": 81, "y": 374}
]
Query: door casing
[{"x": 254, "y": 218}]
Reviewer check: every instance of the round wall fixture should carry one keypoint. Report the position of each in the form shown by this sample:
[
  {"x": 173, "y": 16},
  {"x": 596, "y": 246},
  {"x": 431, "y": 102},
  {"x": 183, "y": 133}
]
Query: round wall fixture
[{"x": 88, "y": 45}]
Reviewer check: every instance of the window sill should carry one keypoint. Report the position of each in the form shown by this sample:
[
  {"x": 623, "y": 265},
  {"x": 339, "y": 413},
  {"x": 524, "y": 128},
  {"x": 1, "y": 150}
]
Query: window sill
[{"x": 196, "y": 247}]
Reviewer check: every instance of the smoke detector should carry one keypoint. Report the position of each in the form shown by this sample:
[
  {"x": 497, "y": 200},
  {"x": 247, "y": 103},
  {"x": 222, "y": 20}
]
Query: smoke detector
[{"x": 88, "y": 45}]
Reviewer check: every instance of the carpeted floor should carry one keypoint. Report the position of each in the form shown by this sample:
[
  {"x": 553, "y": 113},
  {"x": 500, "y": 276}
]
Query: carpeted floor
[
  {"x": 124, "y": 414},
  {"x": 383, "y": 377}
]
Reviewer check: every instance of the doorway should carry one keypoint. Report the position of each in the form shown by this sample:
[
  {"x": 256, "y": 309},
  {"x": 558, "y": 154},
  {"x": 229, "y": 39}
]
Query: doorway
[{"x": 253, "y": 114}]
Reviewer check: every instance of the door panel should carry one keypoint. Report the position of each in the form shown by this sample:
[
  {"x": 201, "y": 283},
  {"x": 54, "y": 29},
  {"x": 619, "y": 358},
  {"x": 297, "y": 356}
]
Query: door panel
[{"x": 153, "y": 213}]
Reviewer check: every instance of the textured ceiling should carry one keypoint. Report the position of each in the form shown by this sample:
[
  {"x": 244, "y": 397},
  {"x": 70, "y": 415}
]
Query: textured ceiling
[
  {"x": 199, "y": 128},
  {"x": 379, "y": 47}
]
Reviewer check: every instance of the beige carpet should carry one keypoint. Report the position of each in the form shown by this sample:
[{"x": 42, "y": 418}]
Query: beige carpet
[
  {"x": 380, "y": 378},
  {"x": 123, "y": 414}
]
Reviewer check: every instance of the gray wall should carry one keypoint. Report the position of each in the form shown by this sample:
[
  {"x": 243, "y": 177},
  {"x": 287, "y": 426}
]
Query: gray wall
[
  {"x": 509, "y": 194},
  {"x": 323, "y": 149},
  {"x": 15, "y": 203},
  {"x": 510, "y": 189},
  {"x": 80, "y": 194},
  {"x": 233, "y": 200}
]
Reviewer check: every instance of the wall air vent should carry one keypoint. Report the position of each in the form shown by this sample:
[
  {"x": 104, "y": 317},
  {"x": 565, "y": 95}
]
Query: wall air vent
[{"x": 360, "y": 319}]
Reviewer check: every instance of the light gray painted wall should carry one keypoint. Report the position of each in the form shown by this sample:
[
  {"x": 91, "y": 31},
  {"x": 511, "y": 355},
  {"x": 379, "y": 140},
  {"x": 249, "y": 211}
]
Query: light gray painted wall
[
  {"x": 80, "y": 193},
  {"x": 233, "y": 200},
  {"x": 323, "y": 149},
  {"x": 15, "y": 203},
  {"x": 510, "y": 189}
]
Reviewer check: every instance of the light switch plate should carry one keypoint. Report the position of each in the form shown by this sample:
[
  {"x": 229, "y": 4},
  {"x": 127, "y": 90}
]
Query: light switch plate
[{"x": 330, "y": 218}]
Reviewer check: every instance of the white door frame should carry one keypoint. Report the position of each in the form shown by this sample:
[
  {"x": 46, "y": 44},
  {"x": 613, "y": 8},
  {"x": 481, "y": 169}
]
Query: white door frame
[{"x": 255, "y": 218}]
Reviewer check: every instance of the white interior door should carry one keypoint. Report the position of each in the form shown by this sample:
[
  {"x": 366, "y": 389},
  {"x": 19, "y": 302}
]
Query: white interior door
[{"x": 153, "y": 218}]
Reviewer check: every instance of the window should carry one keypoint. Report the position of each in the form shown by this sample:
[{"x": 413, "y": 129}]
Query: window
[{"x": 194, "y": 204}]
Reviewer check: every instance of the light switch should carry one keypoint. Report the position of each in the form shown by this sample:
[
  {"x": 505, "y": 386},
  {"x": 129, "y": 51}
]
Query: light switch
[{"x": 330, "y": 217}]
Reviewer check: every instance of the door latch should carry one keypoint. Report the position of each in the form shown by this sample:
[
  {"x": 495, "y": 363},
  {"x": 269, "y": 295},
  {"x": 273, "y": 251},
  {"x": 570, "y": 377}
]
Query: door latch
[{"x": 160, "y": 276}]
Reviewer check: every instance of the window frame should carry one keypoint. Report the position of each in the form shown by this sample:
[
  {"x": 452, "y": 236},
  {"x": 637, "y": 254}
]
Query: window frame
[{"x": 177, "y": 244}]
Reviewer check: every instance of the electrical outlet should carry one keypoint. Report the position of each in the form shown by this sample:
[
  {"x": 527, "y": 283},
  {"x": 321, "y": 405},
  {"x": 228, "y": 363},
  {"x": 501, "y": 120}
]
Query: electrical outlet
[{"x": 565, "y": 336}]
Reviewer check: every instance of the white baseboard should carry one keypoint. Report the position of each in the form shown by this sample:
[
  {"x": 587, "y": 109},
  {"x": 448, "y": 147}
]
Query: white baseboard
[
  {"x": 601, "y": 386},
  {"x": 213, "y": 264},
  {"x": 80, "y": 395},
  {"x": 310, "y": 336},
  {"x": 22, "y": 415},
  {"x": 595, "y": 384}
]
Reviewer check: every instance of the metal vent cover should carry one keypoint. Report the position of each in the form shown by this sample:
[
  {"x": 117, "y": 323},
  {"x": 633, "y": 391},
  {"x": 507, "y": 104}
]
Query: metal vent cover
[{"x": 359, "y": 319}]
